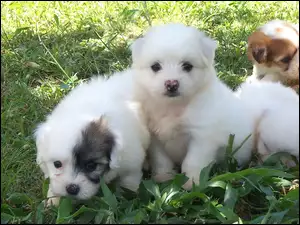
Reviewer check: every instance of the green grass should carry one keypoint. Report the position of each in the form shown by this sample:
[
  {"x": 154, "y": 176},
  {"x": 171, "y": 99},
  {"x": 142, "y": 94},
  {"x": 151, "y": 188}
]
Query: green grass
[{"x": 47, "y": 48}]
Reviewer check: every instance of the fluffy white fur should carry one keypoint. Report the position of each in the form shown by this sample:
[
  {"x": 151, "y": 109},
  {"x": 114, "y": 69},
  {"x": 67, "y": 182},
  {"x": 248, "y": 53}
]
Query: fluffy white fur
[
  {"x": 56, "y": 137},
  {"x": 277, "y": 108},
  {"x": 189, "y": 129}
]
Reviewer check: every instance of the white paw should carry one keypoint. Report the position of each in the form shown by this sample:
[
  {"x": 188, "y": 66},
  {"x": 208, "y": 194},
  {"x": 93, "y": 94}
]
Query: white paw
[
  {"x": 52, "y": 201},
  {"x": 188, "y": 185},
  {"x": 162, "y": 177},
  {"x": 251, "y": 79},
  {"x": 132, "y": 187}
]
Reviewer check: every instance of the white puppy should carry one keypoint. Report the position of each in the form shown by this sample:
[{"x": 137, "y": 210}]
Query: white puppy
[
  {"x": 96, "y": 130},
  {"x": 190, "y": 112},
  {"x": 276, "y": 108}
]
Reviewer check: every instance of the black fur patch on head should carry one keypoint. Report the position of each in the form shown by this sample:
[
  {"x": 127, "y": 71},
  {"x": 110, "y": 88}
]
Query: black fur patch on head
[{"x": 92, "y": 155}]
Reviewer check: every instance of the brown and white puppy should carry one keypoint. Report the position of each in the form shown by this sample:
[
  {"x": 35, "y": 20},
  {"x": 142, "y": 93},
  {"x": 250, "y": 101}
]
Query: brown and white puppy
[{"x": 274, "y": 51}]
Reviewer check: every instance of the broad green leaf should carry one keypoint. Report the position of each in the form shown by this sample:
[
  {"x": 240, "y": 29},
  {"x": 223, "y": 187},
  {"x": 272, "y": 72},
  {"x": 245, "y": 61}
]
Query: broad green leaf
[
  {"x": 257, "y": 220},
  {"x": 86, "y": 217},
  {"x": 272, "y": 201},
  {"x": 279, "y": 182},
  {"x": 80, "y": 211},
  {"x": 152, "y": 188},
  {"x": 143, "y": 194},
  {"x": 291, "y": 221},
  {"x": 15, "y": 212},
  {"x": 276, "y": 218},
  {"x": 231, "y": 196},
  {"x": 249, "y": 184},
  {"x": 39, "y": 213},
  {"x": 134, "y": 217},
  {"x": 267, "y": 190},
  {"x": 228, "y": 213},
  {"x": 217, "y": 183},
  {"x": 171, "y": 195},
  {"x": 215, "y": 212},
  {"x": 26, "y": 218},
  {"x": 273, "y": 218},
  {"x": 192, "y": 195},
  {"x": 110, "y": 219},
  {"x": 109, "y": 197},
  {"x": 179, "y": 180},
  {"x": 5, "y": 218},
  {"x": 140, "y": 216},
  {"x": 259, "y": 171},
  {"x": 204, "y": 176},
  {"x": 64, "y": 209},
  {"x": 6, "y": 208},
  {"x": 292, "y": 195},
  {"x": 18, "y": 212},
  {"x": 99, "y": 217},
  {"x": 19, "y": 198}
]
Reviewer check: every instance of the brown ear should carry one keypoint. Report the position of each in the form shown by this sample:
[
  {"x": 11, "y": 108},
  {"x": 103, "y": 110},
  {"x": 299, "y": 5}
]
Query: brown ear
[
  {"x": 260, "y": 53},
  {"x": 258, "y": 46}
]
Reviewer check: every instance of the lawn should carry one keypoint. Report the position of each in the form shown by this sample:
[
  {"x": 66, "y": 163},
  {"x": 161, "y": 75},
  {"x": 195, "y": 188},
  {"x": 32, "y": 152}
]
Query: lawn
[{"x": 47, "y": 48}]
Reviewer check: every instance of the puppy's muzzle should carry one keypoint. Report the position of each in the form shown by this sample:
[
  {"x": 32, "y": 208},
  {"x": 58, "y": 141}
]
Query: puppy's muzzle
[
  {"x": 72, "y": 189},
  {"x": 172, "y": 87}
]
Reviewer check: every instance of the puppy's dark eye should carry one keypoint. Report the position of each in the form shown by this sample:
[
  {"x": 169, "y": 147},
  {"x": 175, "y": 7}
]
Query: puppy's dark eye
[
  {"x": 57, "y": 164},
  {"x": 187, "y": 67},
  {"x": 286, "y": 59},
  {"x": 90, "y": 166},
  {"x": 156, "y": 67}
]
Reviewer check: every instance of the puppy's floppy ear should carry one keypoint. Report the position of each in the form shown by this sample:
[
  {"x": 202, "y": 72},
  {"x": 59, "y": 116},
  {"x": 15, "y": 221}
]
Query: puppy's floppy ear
[
  {"x": 100, "y": 128},
  {"x": 209, "y": 47},
  {"x": 136, "y": 48},
  {"x": 40, "y": 133},
  {"x": 100, "y": 131},
  {"x": 258, "y": 46},
  {"x": 259, "y": 53},
  {"x": 102, "y": 123}
]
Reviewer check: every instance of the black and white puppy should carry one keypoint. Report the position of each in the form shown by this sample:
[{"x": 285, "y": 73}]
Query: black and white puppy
[{"x": 96, "y": 131}]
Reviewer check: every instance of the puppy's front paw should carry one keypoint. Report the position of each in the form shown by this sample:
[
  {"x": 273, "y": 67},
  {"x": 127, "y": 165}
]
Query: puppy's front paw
[
  {"x": 162, "y": 177},
  {"x": 251, "y": 79},
  {"x": 52, "y": 201},
  {"x": 189, "y": 184},
  {"x": 132, "y": 180}
]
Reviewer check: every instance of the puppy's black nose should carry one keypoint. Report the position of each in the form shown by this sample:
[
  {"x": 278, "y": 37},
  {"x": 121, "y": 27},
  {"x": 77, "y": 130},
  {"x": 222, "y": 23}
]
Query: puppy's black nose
[
  {"x": 72, "y": 189},
  {"x": 172, "y": 85}
]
